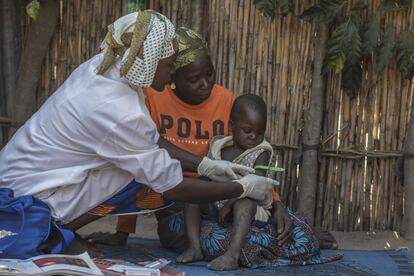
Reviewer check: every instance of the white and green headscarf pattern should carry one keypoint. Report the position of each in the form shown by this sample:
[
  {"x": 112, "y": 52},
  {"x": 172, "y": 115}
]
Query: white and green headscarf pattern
[{"x": 141, "y": 39}]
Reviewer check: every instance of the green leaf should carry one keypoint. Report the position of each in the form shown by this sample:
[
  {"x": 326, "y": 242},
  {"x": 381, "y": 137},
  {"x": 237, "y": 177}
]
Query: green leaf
[
  {"x": 33, "y": 9},
  {"x": 267, "y": 7},
  {"x": 286, "y": 7},
  {"x": 386, "y": 48},
  {"x": 359, "y": 6},
  {"x": 314, "y": 13},
  {"x": 337, "y": 61},
  {"x": 370, "y": 35},
  {"x": 351, "y": 78},
  {"x": 404, "y": 49},
  {"x": 336, "y": 48},
  {"x": 324, "y": 11},
  {"x": 352, "y": 71},
  {"x": 394, "y": 5}
]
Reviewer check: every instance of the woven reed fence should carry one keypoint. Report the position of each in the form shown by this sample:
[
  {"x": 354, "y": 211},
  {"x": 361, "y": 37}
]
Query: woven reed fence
[{"x": 362, "y": 138}]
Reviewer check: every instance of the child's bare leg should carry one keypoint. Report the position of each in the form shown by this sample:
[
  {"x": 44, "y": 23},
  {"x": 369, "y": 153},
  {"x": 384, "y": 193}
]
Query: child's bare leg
[
  {"x": 192, "y": 225},
  {"x": 243, "y": 210}
]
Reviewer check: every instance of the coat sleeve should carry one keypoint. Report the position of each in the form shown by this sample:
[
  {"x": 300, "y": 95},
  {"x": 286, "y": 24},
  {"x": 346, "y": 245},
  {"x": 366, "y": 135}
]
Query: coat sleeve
[{"x": 132, "y": 146}]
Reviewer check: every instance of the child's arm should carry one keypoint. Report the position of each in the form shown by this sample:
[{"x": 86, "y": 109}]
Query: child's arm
[
  {"x": 263, "y": 159},
  {"x": 282, "y": 223},
  {"x": 281, "y": 218}
]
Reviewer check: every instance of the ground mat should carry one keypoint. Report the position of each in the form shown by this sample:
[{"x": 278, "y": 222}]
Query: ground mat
[{"x": 354, "y": 262}]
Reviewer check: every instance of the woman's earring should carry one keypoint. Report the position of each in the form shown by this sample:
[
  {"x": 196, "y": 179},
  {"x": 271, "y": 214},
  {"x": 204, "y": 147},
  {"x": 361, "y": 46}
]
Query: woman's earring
[{"x": 172, "y": 85}]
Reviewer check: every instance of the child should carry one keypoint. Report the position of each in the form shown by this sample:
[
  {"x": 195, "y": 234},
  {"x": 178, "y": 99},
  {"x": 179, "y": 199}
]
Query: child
[{"x": 248, "y": 147}]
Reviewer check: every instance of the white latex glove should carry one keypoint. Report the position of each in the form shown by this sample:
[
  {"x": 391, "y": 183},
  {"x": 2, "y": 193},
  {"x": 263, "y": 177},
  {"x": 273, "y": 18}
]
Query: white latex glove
[
  {"x": 221, "y": 170},
  {"x": 258, "y": 187}
]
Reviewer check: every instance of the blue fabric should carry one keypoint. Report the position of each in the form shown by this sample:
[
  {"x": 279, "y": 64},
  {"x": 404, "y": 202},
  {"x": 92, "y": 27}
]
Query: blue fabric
[
  {"x": 354, "y": 262},
  {"x": 25, "y": 224},
  {"x": 125, "y": 200},
  {"x": 261, "y": 247}
]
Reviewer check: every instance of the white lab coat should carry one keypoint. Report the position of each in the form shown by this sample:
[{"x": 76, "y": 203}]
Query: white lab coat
[{"x": 87, "y": 142}]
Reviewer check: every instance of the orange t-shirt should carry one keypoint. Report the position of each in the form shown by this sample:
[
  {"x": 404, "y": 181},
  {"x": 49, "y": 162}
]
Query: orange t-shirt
[{"x": 190, "y": 127}]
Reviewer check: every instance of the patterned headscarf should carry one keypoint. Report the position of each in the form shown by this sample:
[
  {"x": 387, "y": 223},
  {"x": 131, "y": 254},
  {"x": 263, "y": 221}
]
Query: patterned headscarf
[
  {"x": 191, "y": 46},
  {"x": 141, "y": 39}
]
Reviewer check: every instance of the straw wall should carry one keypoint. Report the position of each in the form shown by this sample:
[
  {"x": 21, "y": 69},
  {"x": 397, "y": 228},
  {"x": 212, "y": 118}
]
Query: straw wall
[{"x": 362, "y": 138}]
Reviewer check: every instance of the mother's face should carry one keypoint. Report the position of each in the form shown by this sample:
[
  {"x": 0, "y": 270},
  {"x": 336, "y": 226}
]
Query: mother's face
[{"x": 195, "y": 81}]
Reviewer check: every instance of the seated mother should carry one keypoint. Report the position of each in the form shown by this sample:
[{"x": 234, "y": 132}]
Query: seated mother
[
  {"x": 94, "y": 139},
  {"x": 290, "y": 240}
]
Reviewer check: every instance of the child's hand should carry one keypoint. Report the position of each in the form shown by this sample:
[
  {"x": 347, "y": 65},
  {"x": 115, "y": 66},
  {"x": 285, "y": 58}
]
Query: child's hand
[
  {"x": 283, "y": 224},
  {"x": 224, "y": 216}
]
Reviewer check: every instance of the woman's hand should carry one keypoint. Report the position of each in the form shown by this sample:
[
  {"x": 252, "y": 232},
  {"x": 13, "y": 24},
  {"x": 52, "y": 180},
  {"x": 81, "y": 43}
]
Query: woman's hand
[
  {"x": 284, "y": 224},
  {"x": 258, "y": 188},
  {"x": 221, "y": 170}
]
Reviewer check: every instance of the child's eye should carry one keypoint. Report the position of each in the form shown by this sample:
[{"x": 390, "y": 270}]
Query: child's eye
[{"x": 247, "y": 130}]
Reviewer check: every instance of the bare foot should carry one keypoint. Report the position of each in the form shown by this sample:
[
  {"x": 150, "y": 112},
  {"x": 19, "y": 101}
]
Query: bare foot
[
  {"x": 79, "y": 245},
  {"x": 116, "y": 239},
  {"x": 190, "y": 255},
  {"x": 224, "y": 262}
]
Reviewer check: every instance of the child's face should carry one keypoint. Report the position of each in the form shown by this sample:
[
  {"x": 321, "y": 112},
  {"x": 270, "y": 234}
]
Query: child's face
[{"x": 248, "y": 129}]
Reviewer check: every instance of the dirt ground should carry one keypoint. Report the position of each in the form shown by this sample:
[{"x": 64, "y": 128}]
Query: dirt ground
[{"x": 146, "y": 228}]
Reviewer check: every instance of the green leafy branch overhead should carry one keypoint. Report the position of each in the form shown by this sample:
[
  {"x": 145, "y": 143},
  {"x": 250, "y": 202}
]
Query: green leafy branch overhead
[
  {"x": 270, "y": 8},
  {"x": 394, "y": 5},
  {"x": 324, "y": 11},
  {"x": 354, "y": 39},
  {"x": 33, "y": 9}
]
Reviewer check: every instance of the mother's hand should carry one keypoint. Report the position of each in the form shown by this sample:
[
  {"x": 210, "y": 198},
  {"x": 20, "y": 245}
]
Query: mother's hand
[{"x": 284, "y": 224}]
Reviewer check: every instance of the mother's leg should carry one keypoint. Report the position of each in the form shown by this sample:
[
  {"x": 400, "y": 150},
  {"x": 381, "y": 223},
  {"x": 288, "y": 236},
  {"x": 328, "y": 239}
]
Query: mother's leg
[
  {"x": 123, "y": 200},
  {"x": 192, "y": 226},
  {"x": 171, "y": 228},
  {"x": 133, "y": 198},
  {"x": 243, "y": 212}
]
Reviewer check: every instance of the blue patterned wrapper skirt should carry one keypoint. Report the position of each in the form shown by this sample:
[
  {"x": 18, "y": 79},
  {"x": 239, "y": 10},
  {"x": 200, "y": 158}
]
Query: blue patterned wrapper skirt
[{"x": 260, "y": 249}]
